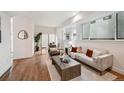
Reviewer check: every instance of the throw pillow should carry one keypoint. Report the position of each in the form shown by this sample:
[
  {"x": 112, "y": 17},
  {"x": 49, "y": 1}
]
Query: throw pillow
[
  {"x": 89, "y": 53},
  {"x": 79, "y": 49},
  {"x": 74, "y": 49}
]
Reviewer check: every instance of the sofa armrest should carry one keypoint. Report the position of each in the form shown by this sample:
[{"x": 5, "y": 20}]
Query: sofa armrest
[
  {"x": 105, "y": 61},
  {"x": 105, "y": 56}
]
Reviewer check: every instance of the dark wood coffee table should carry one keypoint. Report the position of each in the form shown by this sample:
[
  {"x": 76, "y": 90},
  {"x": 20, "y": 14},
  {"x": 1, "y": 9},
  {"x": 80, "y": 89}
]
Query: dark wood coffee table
[{"x": 68, "y": 70}]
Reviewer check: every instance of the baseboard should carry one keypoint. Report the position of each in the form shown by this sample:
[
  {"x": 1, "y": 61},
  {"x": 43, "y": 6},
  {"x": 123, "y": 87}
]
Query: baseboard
[
  {"x": 116, "y": 69},
  {"x": 28, "y": 57},
  {"x": 22, "y": 58}
]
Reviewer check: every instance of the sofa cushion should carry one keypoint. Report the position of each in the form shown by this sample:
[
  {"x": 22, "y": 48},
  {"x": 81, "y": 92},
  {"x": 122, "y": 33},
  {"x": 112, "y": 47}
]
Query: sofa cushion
[
  {"x": 89, "y": 53},
  {"x": 84, "y": 49},
  {"x": 79, "y": 49},
  {"x": 72, "y": 54},
  {"x": 83, "y": 58},
  {"x": 96, "y": 53}
]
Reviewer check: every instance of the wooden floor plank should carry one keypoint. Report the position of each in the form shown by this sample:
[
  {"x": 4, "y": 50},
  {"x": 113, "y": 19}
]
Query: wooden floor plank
[{"x": 31, "y": 69}]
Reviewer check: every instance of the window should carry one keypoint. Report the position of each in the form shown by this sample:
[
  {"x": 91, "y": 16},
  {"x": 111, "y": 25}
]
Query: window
[
  {"x": 52, "y": 38},
  {"x": 44, "y": 41},
  {"x": 70, "y": 33},
  {"x": 103, "y": 29},
  {"x": 85, "y": 31}
]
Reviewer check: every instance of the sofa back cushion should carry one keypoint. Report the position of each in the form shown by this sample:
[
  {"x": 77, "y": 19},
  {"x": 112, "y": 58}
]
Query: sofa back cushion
[
  {"x": 104, "y": 52},
  {"x": 89, "y": 53},
  {"x": 96, "y": 53},
  {"x": 79, "y": 49}
]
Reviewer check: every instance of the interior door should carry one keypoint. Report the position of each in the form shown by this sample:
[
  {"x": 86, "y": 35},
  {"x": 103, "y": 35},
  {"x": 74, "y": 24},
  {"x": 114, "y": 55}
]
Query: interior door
[
  {"x": 52, "y": 38},
  {"x": 44, "y": 40}
]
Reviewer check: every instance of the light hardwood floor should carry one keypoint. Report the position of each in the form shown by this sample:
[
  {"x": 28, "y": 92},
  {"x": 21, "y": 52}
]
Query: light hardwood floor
[
  {"x": 30, "y": 69},
  {"x": 35, "y": 69}
]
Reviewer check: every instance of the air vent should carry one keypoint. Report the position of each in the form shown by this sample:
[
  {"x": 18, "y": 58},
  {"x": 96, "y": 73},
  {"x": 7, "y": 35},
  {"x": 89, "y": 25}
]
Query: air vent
[
  {"x": 92, "y": 22},
  {"x": 107, "y": 17}
]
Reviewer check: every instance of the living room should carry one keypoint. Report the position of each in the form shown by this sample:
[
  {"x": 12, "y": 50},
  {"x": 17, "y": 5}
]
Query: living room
[
  {"x": 113, "y": 44},
  {"x": 72, "y": 35},
  {"x": 61, "y": 46},
  {"x": 96, "y": 35}
]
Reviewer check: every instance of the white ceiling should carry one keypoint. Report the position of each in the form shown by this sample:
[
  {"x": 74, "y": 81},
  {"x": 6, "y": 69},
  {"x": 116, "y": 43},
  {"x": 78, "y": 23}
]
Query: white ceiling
[{"x": 45, "y": 18}]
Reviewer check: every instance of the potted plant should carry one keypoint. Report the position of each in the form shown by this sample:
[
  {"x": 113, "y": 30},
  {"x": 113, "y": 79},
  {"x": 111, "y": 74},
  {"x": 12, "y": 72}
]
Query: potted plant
[{"x": 36, "y": 39}]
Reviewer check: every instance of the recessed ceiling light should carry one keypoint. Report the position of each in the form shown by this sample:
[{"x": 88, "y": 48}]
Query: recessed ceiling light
[
  {"x": 75, "y": 13},
  {"x": 77, "y": 18}
]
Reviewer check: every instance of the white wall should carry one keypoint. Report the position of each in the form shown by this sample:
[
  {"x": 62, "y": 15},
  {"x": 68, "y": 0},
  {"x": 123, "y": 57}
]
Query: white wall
[
  {"x": 114, "y": 47},
  {"x": 23, "y": 48},
  {"x": 44, "y": 29},
  {"x": 5, "y": 45},
  {"x": 59, "y": 35}
]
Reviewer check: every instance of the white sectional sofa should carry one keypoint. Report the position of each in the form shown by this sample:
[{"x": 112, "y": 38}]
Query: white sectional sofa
[{"x": 100, "y": 60}]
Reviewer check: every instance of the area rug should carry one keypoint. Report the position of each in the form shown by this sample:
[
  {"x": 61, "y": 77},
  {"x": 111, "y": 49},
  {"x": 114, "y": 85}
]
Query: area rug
[{"x": 87, "y": 74}]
